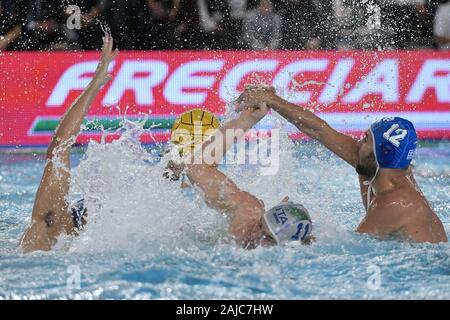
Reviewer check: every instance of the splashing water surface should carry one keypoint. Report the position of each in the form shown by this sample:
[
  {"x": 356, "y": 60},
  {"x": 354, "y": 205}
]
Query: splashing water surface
[{"x": 146, "y": 238}]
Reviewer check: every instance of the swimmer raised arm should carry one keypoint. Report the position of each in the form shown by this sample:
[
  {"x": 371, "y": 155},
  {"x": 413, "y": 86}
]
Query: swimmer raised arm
[
  {"x": 221, "y": 193},
  {"x": 395, "y": 206},
  {"x": 51, "y": 213},
  {"x": 306, "y": 121}
]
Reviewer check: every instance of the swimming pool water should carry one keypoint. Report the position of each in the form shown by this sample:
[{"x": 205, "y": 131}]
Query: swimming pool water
[{"x": 151, "y": 251}]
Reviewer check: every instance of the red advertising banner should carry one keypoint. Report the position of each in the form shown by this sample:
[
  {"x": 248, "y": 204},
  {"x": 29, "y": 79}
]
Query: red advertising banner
[{"x": 349, "y": 90}]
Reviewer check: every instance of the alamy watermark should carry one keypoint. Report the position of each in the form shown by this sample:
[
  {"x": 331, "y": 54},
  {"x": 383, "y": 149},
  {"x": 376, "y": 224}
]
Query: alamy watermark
[
  {"x": 374, "y": 281},
  {"x": 259, "y": 149},
  {"x": 74, "y": 17},
  {"x": 73, "y": 281}
]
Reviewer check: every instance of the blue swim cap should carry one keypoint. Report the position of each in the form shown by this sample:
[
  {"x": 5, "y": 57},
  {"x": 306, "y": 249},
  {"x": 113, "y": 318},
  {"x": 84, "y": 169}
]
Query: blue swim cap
[{"x": 394, "y": 142}]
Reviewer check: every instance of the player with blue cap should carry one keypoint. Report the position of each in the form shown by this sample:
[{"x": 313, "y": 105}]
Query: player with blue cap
[
  {"x": 395, "y": 141},
  {"x": 394, "y": 145},
  {"x": 395, "y": 206}
]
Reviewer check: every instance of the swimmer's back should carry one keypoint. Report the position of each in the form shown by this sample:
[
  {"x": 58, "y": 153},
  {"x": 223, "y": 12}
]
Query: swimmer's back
[
  {"x": 420, "y": 220},
  {"x": 404, "y": 214}
]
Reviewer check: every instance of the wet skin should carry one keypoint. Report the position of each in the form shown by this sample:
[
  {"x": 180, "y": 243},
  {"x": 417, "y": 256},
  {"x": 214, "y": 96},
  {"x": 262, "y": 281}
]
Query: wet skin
[{"x": 398, "y": 208}]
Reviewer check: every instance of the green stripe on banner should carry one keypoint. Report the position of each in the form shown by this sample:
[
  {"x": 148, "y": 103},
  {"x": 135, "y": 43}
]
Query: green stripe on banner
[
  {"x": 49, "y": 125},
  {"x": 45, "y": 125}
]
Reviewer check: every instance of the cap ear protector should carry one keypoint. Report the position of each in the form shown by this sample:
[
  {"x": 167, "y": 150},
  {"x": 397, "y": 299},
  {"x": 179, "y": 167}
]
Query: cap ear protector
[
  {"x": 394, "y": 142},
  {"x": 388, "y": 153}
]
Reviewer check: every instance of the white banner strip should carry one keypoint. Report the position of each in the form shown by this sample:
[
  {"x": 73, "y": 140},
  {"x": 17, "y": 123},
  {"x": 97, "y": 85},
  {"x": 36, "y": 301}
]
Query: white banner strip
[{"x": 360, "y": 121}]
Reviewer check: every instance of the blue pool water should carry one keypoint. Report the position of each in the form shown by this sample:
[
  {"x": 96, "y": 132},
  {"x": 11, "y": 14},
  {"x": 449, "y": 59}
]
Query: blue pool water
[{"x": 148, "y": 241}]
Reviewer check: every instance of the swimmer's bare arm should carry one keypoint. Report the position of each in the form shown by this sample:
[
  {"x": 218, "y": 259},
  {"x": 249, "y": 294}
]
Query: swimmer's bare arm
[
  {"x": 221, "y": 192},
  {"x": 50, "y": 216},
  {"x": 69, "y": 127},
  {"x": 342, "y": 145}
]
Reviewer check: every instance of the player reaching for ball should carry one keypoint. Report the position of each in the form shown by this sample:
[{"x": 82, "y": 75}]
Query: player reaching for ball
[
  {"x": 250, "y": 224},
  {"x": 395, "y": 206},
  {"x": 52, "y": 215},
  {"x": 192, "y": 128}
]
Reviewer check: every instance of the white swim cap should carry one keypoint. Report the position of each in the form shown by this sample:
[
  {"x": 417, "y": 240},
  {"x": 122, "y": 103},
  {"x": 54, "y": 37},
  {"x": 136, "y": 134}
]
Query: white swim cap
[{"x": 288, "y": 221}]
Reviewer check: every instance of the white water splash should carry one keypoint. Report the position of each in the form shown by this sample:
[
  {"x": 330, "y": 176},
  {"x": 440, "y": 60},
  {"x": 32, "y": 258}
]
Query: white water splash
[{"x": 132, "y": 207}]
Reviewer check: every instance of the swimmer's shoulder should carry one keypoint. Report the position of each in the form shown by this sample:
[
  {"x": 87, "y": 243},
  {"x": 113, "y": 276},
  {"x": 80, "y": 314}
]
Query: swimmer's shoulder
[
  {"x": 65, "y": 216},
  {"x": 405, "y": 209},
  {"x": 403, "y": 193},
  {"x": 50, "y": 217},
  {"x": 401, "y": 201}
]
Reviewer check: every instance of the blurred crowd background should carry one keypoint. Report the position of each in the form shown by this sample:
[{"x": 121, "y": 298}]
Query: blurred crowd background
[{"x": 226, "y": 24}]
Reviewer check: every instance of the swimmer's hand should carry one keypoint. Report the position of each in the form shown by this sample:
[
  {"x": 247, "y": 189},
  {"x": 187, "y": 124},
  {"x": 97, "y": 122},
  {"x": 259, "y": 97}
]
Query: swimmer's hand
[
  {"x": 255, "y": 114},
  {"x": 254, "y": 96},
  {"x": 101, "y": 74},
  {"x": 173, "y": 171}
]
